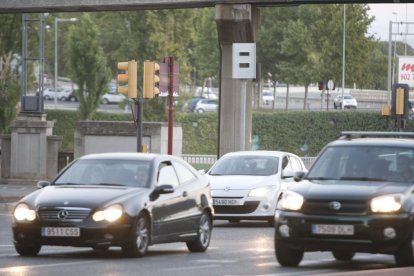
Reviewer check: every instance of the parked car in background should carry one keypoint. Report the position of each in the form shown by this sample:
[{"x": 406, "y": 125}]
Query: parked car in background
[
  {"x": 206, "y": 105},
  {"x": 60, "y": 93},
  {"x": 348, "y": 102},
  {"x": 192, "y": 104},
  {"x": 267, "y": 97},
  {"x": 72, "y": 96},
  {"x": 358, "y": 196},
  {"x": 245, "y": 185},
  {"x": 127, "y": 200},
  {"x": 112, "y": 97}
]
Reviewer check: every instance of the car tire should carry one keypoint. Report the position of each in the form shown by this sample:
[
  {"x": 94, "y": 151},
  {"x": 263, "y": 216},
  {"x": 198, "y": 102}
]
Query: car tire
[
  {"x": 63, "y": 99},
  {"x": 202, "y": 241},
  {"x": 73, "y": 99},
  {"x": 200, "y": 110},
  {"x": 343, "y": 255},
  {"x": 137, "y": 246},
  {"x": 405, "y": 254},
  {"x": 28, "y": 250},
  {"x": 287, "y": 256},
  {"x": 105, "y": 101},
  {"x": 46, "y": 98}
]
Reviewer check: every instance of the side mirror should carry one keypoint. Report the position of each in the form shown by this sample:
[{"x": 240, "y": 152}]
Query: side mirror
[
  {"x": 202, "y": 172},
  {"x": 161, "y": 189},
  {"x": 288, "y": 174},
  {"x": 299, "y": 176},
  {"x": 41, "y": 184}
]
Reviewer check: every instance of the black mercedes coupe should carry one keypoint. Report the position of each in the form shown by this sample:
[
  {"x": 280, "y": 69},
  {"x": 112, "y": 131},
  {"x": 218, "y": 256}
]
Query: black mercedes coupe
[{"x": 128, "y": 200}]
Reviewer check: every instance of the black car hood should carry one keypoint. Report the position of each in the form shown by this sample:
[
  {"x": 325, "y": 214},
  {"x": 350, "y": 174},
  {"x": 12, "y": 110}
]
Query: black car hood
[
  {"x": 80, "y": 196},
  {"x": 346, "y": 189}
]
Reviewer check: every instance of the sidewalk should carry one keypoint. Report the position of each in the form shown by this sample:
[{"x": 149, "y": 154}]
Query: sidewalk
[{"x": 12, "y": 191}]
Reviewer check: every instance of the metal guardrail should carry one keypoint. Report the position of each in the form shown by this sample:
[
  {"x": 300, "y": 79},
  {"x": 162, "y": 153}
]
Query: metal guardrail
[
  {"x": 210, "y": 159},
  {"x": 199, "y": 159}
]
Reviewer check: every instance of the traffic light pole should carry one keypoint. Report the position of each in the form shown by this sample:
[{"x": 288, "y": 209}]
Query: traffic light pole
[
  {"x": 139, "y": 114},
  {"x": 170, "y": 62}
]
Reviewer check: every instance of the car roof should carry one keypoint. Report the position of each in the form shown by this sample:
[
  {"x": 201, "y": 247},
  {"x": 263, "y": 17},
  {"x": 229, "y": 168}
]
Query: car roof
[
  {"x": 258, "y": 152},
  {"x": 371, "y": 138},
  {"x": 122, "y": 155}
]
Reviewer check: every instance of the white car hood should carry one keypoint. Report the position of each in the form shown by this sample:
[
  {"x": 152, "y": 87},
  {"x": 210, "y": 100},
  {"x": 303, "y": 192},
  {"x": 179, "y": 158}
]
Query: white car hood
[{"x": 242, "y": 182}]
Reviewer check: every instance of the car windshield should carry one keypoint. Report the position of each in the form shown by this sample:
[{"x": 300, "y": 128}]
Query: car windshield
[
  {"x": 364, "y": 163},
  {"x": 246, "y": 165},
  {"x": 348, "y": 97},
  {"x": 106, "y": 172}
]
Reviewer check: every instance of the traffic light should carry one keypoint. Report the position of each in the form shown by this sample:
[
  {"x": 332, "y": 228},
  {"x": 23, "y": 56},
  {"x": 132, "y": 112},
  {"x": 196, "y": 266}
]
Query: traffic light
[
  {"x": 151, "y": 79},
  {"x": 399, "y": 100},
  {"x": 128, "y": 79},
  {"x": 320, "y": 85}
]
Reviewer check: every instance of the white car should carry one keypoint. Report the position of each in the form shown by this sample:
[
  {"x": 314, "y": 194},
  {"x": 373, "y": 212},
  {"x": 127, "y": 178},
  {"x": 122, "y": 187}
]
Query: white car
[
  {"x": 348, "y": 101},
  {"x": 206, "y": 105},
  {"x": 112, "y": 97},
  {"x": 60, "y": 93},
  {"x": 245, "y": 185},
  {"x": 267, "y": 97}
]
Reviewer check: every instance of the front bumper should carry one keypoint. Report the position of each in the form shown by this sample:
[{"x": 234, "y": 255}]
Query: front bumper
[
  {"x": 91, "y": 234},
  {"x": 250, "y": 209},
  {"x": 369, "y": 232}
]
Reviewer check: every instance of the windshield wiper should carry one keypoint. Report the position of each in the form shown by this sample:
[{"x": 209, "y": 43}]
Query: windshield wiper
[
  {"x": 320, "y": 178},
  {"x": 108, "y": 184},
  {"x": 362, "y": 178},
  {"x": 68, "y": 183}
]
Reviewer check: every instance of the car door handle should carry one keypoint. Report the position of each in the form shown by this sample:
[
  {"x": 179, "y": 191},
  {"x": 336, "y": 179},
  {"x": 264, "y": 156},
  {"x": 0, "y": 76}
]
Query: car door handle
[{"x": 185, "y": 194}]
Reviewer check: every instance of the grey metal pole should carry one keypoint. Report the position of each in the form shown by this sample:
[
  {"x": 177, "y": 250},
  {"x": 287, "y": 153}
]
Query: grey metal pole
[
  {"x": 56, "y": 61},
  {"x": 243, "y": 115},
  {"x": 389, "y": 65},
  {"x": 343, "y": 56}
]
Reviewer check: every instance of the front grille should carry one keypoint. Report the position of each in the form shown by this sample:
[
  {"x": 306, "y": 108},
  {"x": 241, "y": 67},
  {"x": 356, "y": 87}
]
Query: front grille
[
  {"x": 247, "y": 207},
  {"x": 323, "y": 207},
  {"x": 63, "y": 214}
]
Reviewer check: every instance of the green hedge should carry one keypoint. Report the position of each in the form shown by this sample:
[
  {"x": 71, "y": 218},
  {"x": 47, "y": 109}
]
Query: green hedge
[{"x": 289, "y": 131}]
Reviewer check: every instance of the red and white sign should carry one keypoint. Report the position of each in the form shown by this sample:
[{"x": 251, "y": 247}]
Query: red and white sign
[{"x": 406, "y": 70}]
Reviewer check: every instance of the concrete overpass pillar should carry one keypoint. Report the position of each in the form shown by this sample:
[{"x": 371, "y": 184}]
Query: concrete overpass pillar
[{"x": 235, "y": 24}]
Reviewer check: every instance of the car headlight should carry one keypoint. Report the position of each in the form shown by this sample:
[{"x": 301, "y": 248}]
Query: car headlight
[
  {"x": 112, "y": 213},
  {"x": 24, "y": 212},
  {"x": 259, "y": 192},
  {"x": 386, "y": 203},
  {"x": 290, "y": 201}
]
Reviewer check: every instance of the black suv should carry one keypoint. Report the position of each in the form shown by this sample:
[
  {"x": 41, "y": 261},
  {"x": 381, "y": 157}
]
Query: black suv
[{"x": 357, "y": 197}]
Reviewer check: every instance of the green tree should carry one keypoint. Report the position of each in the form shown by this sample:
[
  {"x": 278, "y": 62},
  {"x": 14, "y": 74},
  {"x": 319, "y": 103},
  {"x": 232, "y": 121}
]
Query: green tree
[
  {"x": 10, "y": 38},
  {"x": 87, "y": 65}
]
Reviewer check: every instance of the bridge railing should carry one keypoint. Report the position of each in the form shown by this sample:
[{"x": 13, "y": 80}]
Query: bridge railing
[{"x": 206, "y": 161}]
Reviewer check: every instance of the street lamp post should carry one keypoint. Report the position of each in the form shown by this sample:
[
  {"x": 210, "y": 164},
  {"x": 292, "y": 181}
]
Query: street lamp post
[{"x": 57, "y": 20}]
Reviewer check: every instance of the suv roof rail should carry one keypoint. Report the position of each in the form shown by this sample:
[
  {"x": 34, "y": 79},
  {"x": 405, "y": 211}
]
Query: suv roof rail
[{"x": 364, "y": 134}]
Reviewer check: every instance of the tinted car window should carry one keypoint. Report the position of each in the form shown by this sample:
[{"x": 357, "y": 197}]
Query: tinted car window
[
  {"x": 167, "y": 175},
  {"x": 184, "y": 174}
]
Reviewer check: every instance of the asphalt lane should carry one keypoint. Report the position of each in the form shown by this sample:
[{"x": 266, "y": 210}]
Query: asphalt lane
[{"x": 244, "y": 248}]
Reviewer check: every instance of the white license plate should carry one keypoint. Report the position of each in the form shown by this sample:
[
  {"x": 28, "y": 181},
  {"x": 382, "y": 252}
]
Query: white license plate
[
  {"x": 226, "y": 201},
  {"x": 60, "y": 232},
  {"x": 332, "y": 229}
]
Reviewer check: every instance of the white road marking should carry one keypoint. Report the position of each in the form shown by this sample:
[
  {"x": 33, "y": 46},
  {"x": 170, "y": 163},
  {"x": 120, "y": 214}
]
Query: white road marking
[
  {"x": 20, "y": 269},
  {"x": 188, "y": 267}
]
